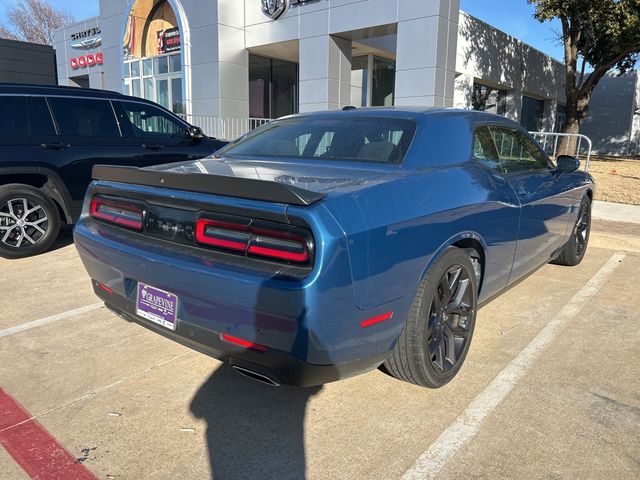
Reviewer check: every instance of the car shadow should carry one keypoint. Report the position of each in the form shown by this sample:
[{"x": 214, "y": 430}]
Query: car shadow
[
  {"x": 253, "y": 430},
  {"x": 65, "y": 238}
]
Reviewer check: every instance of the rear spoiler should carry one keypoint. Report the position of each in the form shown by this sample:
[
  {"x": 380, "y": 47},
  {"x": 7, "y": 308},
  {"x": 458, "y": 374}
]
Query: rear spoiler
[{"x": 206, "y": 183}]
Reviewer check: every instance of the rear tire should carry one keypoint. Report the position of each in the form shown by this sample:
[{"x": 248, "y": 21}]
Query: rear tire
[
  {"x": 29, "y": 221},
  {"x": 435, "y": 341},
  {"x": 575, "y": 249}
]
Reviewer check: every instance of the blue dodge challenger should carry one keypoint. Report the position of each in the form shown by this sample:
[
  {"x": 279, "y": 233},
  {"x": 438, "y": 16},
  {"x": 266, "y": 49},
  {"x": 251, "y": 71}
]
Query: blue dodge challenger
[{"x": 324, "y": 245}]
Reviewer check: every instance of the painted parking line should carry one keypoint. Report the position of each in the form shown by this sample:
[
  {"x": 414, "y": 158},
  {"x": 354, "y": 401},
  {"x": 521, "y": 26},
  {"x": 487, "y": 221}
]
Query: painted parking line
[
  {"x": 33, "y": 448},
  {"x": 465, "y": 427},
  {"x": 53, "y": 318}
]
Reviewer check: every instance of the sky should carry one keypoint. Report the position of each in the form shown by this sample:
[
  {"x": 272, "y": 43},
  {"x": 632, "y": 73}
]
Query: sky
[{"x": 512, "y": 16}]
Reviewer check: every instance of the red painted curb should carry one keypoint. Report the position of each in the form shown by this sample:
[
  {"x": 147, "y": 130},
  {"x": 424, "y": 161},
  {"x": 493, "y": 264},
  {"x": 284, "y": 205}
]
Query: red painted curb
[{"x": 33, "y": 448}]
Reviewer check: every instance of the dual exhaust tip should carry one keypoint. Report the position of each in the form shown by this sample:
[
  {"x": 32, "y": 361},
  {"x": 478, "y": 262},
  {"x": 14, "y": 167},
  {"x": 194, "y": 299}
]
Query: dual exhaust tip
[{"x": 253, "y": 375}]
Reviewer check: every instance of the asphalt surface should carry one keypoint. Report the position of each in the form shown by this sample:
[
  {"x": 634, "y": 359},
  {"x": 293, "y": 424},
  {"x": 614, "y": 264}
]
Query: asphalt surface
[{"x": 550, "y": 389}]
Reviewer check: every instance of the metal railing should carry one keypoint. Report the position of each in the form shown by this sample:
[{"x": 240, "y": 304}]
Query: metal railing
[
  {"x": 225, "y": 128},
  {"x": 555, "y": 144}
]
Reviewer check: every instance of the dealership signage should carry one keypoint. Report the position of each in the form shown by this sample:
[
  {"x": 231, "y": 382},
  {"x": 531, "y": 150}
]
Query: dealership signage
[
  {"x": 87, "y": 39},
  {"x": 275, "y": 8},
  {"x": 85, "y": 61},
  {"x": 169, "y": 40}
]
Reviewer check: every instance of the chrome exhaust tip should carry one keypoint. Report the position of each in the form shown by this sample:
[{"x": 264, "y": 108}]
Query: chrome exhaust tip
[{"x": 253, "y": 375}]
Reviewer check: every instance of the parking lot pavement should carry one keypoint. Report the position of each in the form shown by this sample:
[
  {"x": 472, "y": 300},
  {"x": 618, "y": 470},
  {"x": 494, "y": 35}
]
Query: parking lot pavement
[{"x": 130, "y": 404}]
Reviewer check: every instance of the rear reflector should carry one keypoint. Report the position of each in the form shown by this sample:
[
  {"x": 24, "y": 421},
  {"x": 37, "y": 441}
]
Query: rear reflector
[
  {"x": 117, "y": 212},
  {"x": 375, "y": 320},
  {"x": 105, "y": 289},
  {"x": 243, "y": 343},
  {"x": 256, "y": 238}
]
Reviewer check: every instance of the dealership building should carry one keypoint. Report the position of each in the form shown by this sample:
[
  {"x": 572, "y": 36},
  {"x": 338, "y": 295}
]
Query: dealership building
[{"x": 235, "y": 60}]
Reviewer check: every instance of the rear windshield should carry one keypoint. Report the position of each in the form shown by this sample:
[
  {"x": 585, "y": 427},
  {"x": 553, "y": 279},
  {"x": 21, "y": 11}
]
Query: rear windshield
[{"x": 359, "y": 139}]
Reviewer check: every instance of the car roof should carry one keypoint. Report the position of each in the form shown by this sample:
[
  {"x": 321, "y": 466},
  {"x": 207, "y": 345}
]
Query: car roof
[
  {"x": 414, "y": 112},
  {"x": 53, "y": 90}
]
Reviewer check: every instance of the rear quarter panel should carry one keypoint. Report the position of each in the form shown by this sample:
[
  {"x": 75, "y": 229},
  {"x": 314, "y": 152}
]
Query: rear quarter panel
[{"x": 395, "y": 230}]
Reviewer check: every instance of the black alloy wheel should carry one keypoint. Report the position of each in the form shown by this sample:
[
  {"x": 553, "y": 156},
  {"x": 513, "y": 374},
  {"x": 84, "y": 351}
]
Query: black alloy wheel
[
  {"x": 575, "y": 249},
  {"x": 450, "y": 319},
  {"x": 438, "y": 332}
]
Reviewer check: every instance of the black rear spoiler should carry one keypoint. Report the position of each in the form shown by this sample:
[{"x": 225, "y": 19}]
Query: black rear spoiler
[{"x": 206, "y": 183}]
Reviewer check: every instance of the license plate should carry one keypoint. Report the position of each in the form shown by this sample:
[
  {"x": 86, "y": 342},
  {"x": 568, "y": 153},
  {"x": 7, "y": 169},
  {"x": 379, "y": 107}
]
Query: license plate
[{"x": 157, "y": 305}]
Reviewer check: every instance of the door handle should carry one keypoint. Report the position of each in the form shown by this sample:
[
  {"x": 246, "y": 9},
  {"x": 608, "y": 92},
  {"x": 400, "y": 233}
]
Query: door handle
[
  {"x": 153, "y": 146},
  {"x": 55, "y": 146}
]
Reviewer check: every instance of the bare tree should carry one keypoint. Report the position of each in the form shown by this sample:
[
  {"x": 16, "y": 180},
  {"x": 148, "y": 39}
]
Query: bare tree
[{"x": 34, "y": 21}]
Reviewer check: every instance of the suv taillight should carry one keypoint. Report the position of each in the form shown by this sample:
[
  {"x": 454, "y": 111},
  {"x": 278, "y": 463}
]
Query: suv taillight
[
  {"x": 117, "y": 212},
  {"x": 256, "y": 239}
]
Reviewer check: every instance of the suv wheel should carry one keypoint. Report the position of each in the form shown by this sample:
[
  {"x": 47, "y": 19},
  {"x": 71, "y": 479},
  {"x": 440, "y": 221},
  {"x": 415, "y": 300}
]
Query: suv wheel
[{"x": 29, "y": 221}]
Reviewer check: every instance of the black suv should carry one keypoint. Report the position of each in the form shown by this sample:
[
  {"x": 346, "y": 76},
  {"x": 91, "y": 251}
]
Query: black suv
[{"x": 51, "y": 137}]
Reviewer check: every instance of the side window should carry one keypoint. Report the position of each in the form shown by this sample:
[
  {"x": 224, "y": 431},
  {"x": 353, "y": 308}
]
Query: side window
[
  {"x": 40, "y": 117},
  {"x": 484, "y": 149},
  {"x": 13, "y": 116},
  {"x": 148, "y": 121},
  {"x": 81, "y": 117},
  {"x": 517, "y": 152}
]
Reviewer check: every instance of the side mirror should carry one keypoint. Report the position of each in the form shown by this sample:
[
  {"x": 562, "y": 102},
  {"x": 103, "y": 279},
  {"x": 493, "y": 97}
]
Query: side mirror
[
  {"x": 568, "y": 164},
  {"x": 195, "y": 133}
]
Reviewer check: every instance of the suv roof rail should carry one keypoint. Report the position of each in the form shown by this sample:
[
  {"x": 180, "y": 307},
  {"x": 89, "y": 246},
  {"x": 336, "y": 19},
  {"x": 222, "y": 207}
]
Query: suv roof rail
[{"x": 27, "y": 86}]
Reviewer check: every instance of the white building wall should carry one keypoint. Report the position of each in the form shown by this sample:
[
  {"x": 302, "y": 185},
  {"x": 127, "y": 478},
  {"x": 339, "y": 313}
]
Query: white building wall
[
  {"x": 496, "y": 59},
  {"x": 440, "y": 52}
]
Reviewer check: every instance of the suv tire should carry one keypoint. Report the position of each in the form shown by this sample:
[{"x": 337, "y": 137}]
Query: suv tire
[{"x": 26, "y": 234}]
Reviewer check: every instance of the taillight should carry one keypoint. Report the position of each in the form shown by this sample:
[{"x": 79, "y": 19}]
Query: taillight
[
  {"x": 257, "y": 239},
  {"x": 117, "y": 212}
]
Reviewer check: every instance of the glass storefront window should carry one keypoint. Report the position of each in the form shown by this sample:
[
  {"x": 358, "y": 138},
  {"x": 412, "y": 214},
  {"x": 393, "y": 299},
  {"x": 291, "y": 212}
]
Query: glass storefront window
[
  {"x": 161, "y": 65},
  {"x": 561, "y": 119},
  {"x": 147, "y": 67},
  {"x": 372, "y": 90},
  {"x": 175, "y": 63},
  {"x": 384, "y": 80},
  {"x": 149, "y": 89},
  {"x": 176, "y": 95},
  {"x": 488, "y": 99},
  {"x": 532, "y": 114},
  {"x": 273, "y": 87},
  {"x": 136, "y": 91},
  {"x": 162, "y": 88},
  {"x": 135, "y": 69}
]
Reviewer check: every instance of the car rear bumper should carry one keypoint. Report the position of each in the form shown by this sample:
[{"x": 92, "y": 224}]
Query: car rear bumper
[{"x": 272, "y": 366}]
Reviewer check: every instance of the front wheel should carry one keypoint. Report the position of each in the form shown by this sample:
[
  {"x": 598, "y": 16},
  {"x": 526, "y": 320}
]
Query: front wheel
[
  {"x": 435, "y": 341},
  {"x": 576, "y": 247},
  {"x": 29, "y": 221}
]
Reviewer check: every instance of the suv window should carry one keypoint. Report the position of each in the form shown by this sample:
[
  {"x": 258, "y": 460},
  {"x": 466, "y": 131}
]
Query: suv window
[
  {"x": 40, "y": 117},
  {"x": 365, "y": 139},
  {"x": 148, "y": 121},
  {"x": 13, "y": 116},
  {"x": 83, "y": 117},
  {"x": 517, "y": 152}
]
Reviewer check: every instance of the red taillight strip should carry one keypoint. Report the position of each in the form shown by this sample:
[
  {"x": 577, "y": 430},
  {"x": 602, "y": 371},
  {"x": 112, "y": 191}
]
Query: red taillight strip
[
  {"x": 281, "y": 254},
  {"x": 375, "y": 320},
  {"x": 96, "y": 202},
  {"x": 259, "y": 241},
  {"x": 243, "y": 343}
]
